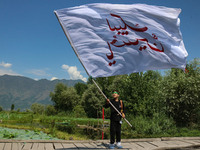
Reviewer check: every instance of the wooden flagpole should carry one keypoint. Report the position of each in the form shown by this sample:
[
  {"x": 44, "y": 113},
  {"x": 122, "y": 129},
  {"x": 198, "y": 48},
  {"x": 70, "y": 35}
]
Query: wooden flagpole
[
  {"x": 110, "y": 102},
  {"x": 73, "y": 47}
]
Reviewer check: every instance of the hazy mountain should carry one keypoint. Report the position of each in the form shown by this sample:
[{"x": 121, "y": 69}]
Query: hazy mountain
[{"x": 23, "y": 91}]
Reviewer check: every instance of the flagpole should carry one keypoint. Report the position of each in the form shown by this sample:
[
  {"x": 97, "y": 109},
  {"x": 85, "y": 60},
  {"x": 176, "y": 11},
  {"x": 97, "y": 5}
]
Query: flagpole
[
  {"x": 73, "y": 47},
  {"x": 110, "y": 102}
]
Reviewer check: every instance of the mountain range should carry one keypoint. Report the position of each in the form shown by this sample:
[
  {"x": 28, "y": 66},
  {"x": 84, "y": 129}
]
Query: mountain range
[{"x": 23, "y": 92}]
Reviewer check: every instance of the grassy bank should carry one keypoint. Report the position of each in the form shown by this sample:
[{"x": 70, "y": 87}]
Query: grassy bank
[
  {"x": 61, "y": 127},
  {"x": 71, "y": 128}
]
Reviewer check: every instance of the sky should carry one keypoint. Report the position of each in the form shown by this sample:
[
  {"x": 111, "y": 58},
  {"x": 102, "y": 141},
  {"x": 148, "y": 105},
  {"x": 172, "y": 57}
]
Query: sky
[{"x": 33, "y": 44}]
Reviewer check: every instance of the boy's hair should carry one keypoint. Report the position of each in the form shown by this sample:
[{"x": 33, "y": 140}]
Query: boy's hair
[{"x": 115, "y": 91}]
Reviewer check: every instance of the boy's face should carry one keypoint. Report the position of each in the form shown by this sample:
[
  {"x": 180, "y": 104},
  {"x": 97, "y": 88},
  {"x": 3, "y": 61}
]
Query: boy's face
[{"x": 115, "y": 95}]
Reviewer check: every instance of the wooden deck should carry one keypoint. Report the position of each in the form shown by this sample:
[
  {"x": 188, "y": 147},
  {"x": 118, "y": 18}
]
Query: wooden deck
[{"x": 187, "y": 143}]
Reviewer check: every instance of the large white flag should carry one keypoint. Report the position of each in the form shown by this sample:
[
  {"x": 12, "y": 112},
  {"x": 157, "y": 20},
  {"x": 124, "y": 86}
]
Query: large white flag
[{"x": 114, "y": 39}]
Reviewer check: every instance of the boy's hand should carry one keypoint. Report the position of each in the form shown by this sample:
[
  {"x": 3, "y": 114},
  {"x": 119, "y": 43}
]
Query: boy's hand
[
  {"x": 108, "y": 100},
  {"x": 123, "y": 115}
]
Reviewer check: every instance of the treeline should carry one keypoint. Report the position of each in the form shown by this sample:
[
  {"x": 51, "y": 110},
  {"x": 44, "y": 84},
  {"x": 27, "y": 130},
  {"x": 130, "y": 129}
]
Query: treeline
[
  {"x": 157, "y": 104},
  {"x": 176, "y": 95}
]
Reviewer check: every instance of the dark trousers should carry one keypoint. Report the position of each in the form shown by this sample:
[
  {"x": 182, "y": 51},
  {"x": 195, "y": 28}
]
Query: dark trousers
[{"x": 115, "y": 130}]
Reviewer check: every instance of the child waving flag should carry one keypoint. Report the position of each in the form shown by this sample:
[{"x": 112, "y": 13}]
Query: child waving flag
[
  {"x": 115, "y": 119},
  {"x": 116, "y": 39}
]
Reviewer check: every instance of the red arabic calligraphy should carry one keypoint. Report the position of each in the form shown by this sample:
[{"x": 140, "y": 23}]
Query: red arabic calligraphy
[
  {"x": 125, "y": 25},
  {"x": 111, "y": 55},
  {"x": 136, "y": 28}
]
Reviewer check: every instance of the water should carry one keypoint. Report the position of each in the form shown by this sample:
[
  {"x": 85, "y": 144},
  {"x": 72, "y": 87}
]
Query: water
[{"x": 19, "y": 134}]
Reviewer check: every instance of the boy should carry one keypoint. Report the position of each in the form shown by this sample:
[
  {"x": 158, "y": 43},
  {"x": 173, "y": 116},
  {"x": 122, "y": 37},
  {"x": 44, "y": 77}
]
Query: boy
[{"x": 115, "y": 119}]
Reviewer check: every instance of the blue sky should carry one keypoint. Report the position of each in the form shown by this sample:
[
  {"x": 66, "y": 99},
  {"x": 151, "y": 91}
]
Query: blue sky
[{"x": 32, "y": 43}]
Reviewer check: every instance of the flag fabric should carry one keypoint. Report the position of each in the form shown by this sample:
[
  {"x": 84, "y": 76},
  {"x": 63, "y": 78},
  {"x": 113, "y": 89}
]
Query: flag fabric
[{"x": 115, "y": 39}]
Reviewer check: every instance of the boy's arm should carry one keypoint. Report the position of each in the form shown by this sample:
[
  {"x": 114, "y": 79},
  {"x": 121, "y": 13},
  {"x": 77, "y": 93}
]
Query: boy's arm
[
  {"x": 123, "y": 108},
  {"x": 107, "y": 103},
  {"x": 123, "y": 113}
]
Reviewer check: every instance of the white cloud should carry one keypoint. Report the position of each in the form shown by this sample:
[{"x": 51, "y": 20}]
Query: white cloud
[
  {"x": 5, "y": 65},
  {"x": 5, "y": 68},
  {"x": 73, "y": 72},
  {"x": 8, "y": 72},
  {"x": 38, "y": 72},
  {"x": 53, "y": 78}
]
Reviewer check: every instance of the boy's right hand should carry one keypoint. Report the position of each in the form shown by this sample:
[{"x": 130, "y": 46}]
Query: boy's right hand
[{"x": 108, "y": 100}]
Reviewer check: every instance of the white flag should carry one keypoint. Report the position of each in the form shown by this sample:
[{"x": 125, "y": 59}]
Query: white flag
[{"x": 114, "y": 39}]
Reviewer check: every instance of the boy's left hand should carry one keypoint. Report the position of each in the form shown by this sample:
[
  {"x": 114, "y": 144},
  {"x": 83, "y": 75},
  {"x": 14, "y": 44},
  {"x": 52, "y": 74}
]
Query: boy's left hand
[{"x": 123, "y": 115}]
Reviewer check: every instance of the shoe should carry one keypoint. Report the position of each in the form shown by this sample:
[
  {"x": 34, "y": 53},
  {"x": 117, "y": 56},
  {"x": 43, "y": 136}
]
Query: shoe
[
  {"x": 119, "y": 146},
  {"x": 111, "y": 146}
]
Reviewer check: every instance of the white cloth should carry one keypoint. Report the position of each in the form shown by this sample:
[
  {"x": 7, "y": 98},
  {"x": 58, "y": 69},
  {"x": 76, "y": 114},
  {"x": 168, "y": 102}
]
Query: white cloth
[{"x": 114, "y": 39}]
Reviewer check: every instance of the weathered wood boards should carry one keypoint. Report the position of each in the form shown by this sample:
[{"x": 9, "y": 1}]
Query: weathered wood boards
[{"x": 134, "y": 144}]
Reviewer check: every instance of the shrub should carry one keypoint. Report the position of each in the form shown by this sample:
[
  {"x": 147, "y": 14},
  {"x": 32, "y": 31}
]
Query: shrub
[
  {"x": 12, "y": 107},
  {"x": 37, "y": 108},
  {"x": 64, "y": 98},
  {"x": 79, "y": 112},
  {"x": 50, "y": 110},
  {"x": 159, "y": 124},
  {"x": 1, "y": 109}
]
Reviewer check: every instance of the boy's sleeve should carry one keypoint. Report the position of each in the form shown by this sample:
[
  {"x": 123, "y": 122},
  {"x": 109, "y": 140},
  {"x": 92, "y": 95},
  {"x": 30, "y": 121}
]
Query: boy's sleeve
[
  {"x": 123, "y": 107},
  {"x": 107, "y": 105}
]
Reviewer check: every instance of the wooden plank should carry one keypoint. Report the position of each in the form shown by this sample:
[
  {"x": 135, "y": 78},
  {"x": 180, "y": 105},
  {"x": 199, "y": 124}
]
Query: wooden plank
[
  {"x": 99, "y": 145},
  {"x": 80, "y": 146},
  {"x": 58, "y": 145},
  {"x": 88, "y": 145},
  {"x": 2, "y": 145},
  {"x": 69, "y": 146},
  {"x": 177, "y": 143},
  {"x": 41, "y": 146},
  {"x": 192, "y": 142},
  {"x": 16, "y": 146},
  {"x": 35, "y": 146},
  {"x": 140, "y": 140},
  {"x": 48, "y": 146},
  {"x": 126, "y": 145},
  {"x": 135, "y": 146},
  {"x": 21, "y": 145},
  {"x": 27, "y": 146},
  {"x": 198, "y": 141},
  {"x": 159, "y": 143},
  {"x": 174, "y": 145},
  {"x": 146, "y": 145},
  {"x": 7, "y": 146},
  {"x": 94, "y": 145},
  {"x": 179, "y": 138}
]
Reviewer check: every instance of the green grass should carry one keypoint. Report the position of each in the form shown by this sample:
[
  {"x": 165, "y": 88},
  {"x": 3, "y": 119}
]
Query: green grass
[
  {"x": 49, "y": 124},
  {"x": 157, "y": 126},
  {"x": 65, "y": 127}
]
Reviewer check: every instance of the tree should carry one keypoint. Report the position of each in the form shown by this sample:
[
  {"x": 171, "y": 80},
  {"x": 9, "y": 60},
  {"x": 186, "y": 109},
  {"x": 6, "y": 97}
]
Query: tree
[
  {"x": 139, "y": 91},
  {"x": 103, "y": 82},
  {"x": 193, "y": 67},
  {"x": 50, "y": 110},
  {"x": 92, "y": 101},
  {"x": 37, "y": 108},
  {"x": 64, "y": 98},
  {"x": 181, "y": 92},
  {"x": 79, "y": 111},
  {"x": 1, "y": 109},
  {"x": 80, "y": 88},
  {"x": 12, "y": 107}
]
